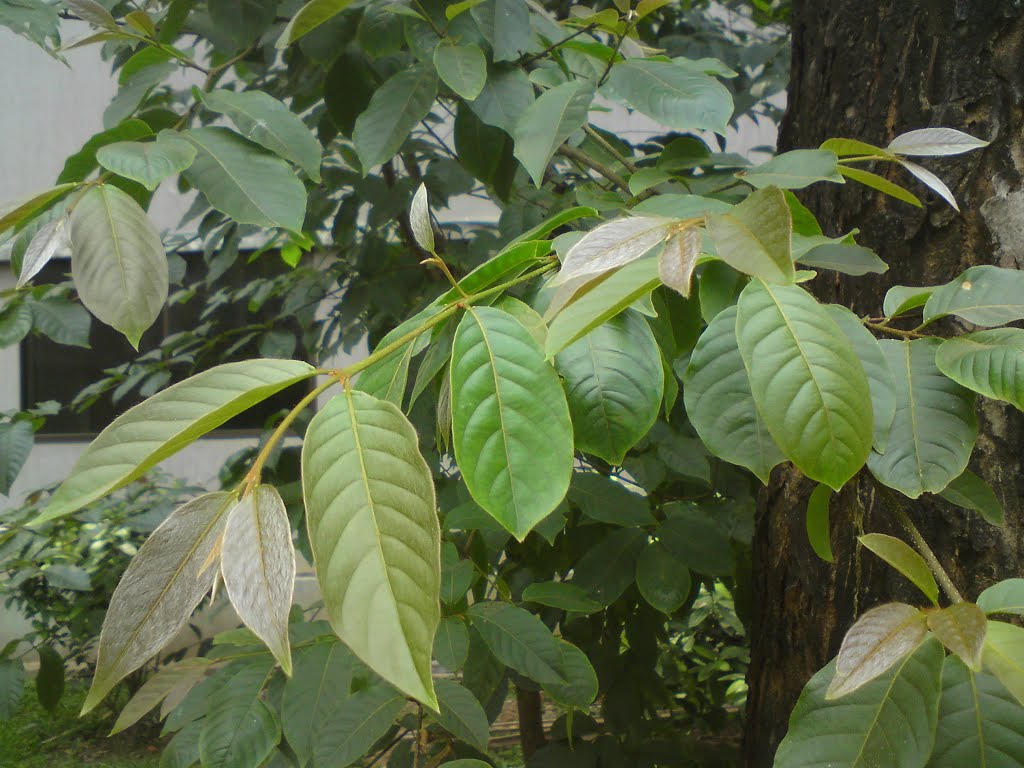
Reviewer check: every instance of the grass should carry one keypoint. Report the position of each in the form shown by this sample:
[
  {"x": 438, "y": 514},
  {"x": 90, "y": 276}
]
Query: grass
[{"x": 35, "y": 738}]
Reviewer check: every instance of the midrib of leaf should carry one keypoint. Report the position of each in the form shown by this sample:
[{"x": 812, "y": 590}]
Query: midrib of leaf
[
  {"x": 913, "y": 415},
  {"x": 803, "y": 357},
  {"x": 516, "y": 640},
  {"x": 373, "y": 515},
  {"x": 597, "y": 378},
  {"x": 501, "y": 410},
  {"x": 878, "y": 711},
  {"x": 263, "y": 556},
  {"x": 115, "y": 240},
  {"x": 408, "y": 100},
  {"x": 174, "y": 576},
  {"x": 559, "y": 125},
  {"x": 232, "y": 177},
  {"x": 976, "y": 701},
  {"x": 365, "y": 720},
  {"x": 753, "y": 236},
  {"x": 248, "y": 709},
  {"x": 666, "y": 84},
  {"x": 318, "y": 724}
]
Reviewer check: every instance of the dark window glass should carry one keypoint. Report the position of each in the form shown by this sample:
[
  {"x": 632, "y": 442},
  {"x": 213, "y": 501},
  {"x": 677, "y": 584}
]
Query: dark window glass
[{"x": 50, "y": 371}]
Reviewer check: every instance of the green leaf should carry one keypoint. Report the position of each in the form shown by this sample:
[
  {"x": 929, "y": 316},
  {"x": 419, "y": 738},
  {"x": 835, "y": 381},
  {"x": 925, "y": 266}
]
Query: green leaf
[
  {"x": 979, "y": 721},
  {"x": 562, "y": 595},
  {"x": 988, "y": 362},
  {"x": 844, "y": 257},
  {"x": 608, "y": 501},
  {"x": 510, "y": 421},
  {"x": 673, "y": 94},
  {"x": 82, "y": 163},
  {"x": 881, "y": 381},
  {"x": 662, "y": 579},
  {"x": 16, "y": 439},
  {"x": 696, "y": 539},
  {"x": 1004, "y": 597},
  {"x": 580, "y": 688},
  {"x": 12, "y": 684},
  {"x": 451, "y": 645},
  {"x": 461, "y": 714},
  {"x": 891, "y": 721},
  {"x": 148, "y": 163},
  {"x": 309, "y": 17},
  {"x": 466, "y": 762},
  {"x": 519, "y": 640},
  {"x": 794, "y": 170},
  {"x": 318, "y": 687},
  {"x": 877, "y": 641},
  {"x": 163, "y": 584},
  {"x": 719, "y": 288},
  {"x": 613, "y": 245},
  {"x": 935, "y": 425},
  {"x": 59, "y": 319},
  {"x": 456, "y": 574},
  {"x": 387, "y": 378},
  {"x": 755, "y": 237},
  {"x": 904, "y": 559},
  {"x": 258, "y": 567},
  {"x": 503, "y": 100},
  {"x": 371, "y": 513},
  {"x": 242, "y": 181},
  {"x": 548, "y": 122},
  {"x": 117, "y": 261},
  {"x": 506, "y": 25},
  {"x": 1003, "y": 656},
  {"x": 599, "y": 302},
  {"x": 242, "y": 21},
  {"x": 983, "y": 295},
  {"x": 971, "y": 492},
  {"x": 12, "y": 214},
  {"x": 720, "y": 404},
  {"x": 396, "y": 108},
  {"x": 16, "y": 322},
  {"x": 147, "y": 434},
  {"x": 809, "y": 385},
  {"x": 513, "y": 260},
  {"x": 263, "y": 119},
  {"x": 961, "y": 628},
  {"x": 880, "y": 183},
  {"x": 614, "y": 383},
  {"x": 240, "y": 730},
  {"x": 463, "y": 68},
  {"x": 609, "y": 567},
  {"x": 50, "y": 678},
  {"x": 852, "y": 147},
  {"x": 818, "y": 529},
  {"x": 158, "y": 687}
]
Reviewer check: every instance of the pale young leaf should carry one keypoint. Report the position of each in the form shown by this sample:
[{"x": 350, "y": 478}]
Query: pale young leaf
[
  {"x": 961, "y": 628},
  {"x": 934, "y": 141},
  {"x": 613, "y": 245},
  {"x": 92, "y": 12},
  {"x": 258, "y": 566},
  {"x": 1003, "y": 656},
  {"x": 879, "y": 639},
  {"x": 47, "y": 241},
  {"x": 419, "y": 220},
  {"x": 679, "y": 257},
  {"x": 156, "y": 689},
  {"x": 931, "y": 181},
  {"x": 158, "y": 592}
]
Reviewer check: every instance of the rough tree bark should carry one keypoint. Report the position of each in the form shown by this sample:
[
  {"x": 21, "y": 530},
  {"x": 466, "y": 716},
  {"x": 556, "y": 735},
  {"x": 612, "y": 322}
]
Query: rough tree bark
[{"x": 871, "y": 69}]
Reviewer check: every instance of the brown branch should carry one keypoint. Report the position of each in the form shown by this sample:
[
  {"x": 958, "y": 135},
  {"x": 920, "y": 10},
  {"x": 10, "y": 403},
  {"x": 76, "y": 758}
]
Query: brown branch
[{"x": 584, "y": 159}]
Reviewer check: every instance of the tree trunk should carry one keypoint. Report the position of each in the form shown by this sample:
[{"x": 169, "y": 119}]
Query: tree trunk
[
  {"x": 872, "y": 69},
  {"x": 531, "y": 721}
]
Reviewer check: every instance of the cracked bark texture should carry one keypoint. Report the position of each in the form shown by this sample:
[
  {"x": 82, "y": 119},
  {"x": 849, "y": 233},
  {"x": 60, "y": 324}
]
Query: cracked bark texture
[{"x": 871, "y": 69}]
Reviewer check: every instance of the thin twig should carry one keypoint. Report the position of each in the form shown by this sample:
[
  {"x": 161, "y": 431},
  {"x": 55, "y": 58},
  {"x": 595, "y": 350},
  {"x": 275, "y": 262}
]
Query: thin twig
[
  {"x": 534, "y": 56},
  {"x": 584, "y": 159},
  {"x": 894, "y": 331},
  {"x": 628, "y": 164},
  {"x": 926, "y": 552}
]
